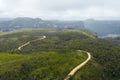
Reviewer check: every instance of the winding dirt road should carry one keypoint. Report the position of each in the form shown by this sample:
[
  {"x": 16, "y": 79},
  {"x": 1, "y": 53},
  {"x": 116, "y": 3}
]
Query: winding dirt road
[
  {"x": 27, "y": 43},
  {"x": 73, "y": 71}
]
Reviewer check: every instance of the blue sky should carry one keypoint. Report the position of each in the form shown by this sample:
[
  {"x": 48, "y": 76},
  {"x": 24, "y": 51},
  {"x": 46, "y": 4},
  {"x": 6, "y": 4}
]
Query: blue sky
[{"x": 60, "y": 9}]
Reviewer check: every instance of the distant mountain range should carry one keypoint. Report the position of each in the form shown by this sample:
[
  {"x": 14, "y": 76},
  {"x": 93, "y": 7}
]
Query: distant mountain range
[
  {"x": 104, "y": 27},
  {"x": 22, "y": 23},
  {"x": 101, "y": 27},
  {"x": 5, "y": 19},
  {"x": 7, "y": 25}
]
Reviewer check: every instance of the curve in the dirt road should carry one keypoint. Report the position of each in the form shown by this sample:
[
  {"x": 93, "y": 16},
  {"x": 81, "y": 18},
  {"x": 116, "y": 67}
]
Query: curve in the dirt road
[
  {"x": 73, "y": 71},
  {"x": 27, "y": 43}
]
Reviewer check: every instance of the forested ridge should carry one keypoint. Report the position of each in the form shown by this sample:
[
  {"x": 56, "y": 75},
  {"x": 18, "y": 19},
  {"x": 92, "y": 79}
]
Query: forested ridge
[{"x": 56, "y": 53}]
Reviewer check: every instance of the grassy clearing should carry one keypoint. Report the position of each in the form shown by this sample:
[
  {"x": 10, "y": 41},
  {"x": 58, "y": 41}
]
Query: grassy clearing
[{"x": 28, "y": 30}]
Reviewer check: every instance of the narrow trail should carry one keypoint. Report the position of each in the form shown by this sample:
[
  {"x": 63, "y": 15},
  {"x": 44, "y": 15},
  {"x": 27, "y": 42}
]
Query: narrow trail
[
  {"x": 73, "y": 71},
  {"x": 27, "y": 43}
]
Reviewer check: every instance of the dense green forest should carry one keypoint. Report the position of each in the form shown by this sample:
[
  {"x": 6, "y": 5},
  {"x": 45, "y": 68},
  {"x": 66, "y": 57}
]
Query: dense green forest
[
  {"x": 53, "y": 57},
  {"x": 38, "y": 66}
]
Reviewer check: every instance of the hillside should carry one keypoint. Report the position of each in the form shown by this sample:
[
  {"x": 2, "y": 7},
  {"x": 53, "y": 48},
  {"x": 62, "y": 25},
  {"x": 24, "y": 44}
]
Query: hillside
[
  {"x": 55, "y": 37},
  {"x": 55, "y": 56},
  {"x": 38, "y": 66}
]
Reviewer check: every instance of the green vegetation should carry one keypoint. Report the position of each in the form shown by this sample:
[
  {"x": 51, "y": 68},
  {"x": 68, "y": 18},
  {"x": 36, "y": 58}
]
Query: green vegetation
[
  {"x": 53, "y": 57},
  {"x": 92, "y": 70},
  {"x": 37, "y": 66}
]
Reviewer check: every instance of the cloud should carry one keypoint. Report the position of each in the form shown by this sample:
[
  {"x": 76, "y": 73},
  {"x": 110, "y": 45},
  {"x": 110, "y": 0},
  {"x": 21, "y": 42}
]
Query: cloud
[{"x": 60, "y": 9}]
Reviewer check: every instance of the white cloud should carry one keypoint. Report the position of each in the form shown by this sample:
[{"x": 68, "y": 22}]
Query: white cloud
[{"x": 60, "y": 9}]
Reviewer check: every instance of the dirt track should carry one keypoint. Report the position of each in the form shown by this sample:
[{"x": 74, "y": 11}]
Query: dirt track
[
  {"x": 73, "y": 71},
  {"x": 27, "y": 43}
]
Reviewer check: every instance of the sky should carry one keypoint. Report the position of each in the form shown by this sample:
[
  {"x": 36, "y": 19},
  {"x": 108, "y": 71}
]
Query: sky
[{"x": 60, "y": 9}]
